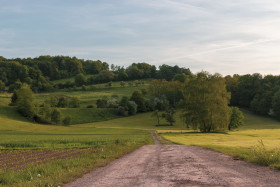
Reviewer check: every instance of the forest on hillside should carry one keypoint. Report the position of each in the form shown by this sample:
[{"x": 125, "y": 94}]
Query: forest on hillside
[
  {"x": 261, "y": 94},
  {"x": 38, "y": 72}
]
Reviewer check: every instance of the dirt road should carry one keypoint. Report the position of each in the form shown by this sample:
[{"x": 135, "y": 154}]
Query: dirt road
[{"x": 178, "y": 165}]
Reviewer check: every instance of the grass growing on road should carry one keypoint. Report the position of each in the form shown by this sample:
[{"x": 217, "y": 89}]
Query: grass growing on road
[{"x": 242, "y": 143}]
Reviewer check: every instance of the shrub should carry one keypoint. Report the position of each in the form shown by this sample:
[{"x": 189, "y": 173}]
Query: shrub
[
  {"x": 122, "y": 83},
  {"x": 263, "y": 156},
  {"x": 113, "y": 103},
  {"x": 132, "y": 107},
  {"x": 14, "y": 99},
  {"x": 53, "y": 101},
  {"x": 67, "y": 120},
  {"x": 236, "y": 119},
  {"x": 168, "y": 115},
  {"x": 74, "y": 102},
  {"x": 122, "y": 111},
  {"x": 109, "y": 84},
  {"x": 101, "y": 103},
  {"x": 90, "y": 106},
  {"x": 62, "y": 102},
  {"x": 56, "y": 116}
]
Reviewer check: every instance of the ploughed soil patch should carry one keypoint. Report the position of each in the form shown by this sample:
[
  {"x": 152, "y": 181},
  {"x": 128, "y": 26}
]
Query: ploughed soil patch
[{"x": 18, "y": 159}]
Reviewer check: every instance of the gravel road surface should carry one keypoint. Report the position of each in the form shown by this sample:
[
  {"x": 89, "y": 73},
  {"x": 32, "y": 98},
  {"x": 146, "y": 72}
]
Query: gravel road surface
[{"x": 178, "y": 165}]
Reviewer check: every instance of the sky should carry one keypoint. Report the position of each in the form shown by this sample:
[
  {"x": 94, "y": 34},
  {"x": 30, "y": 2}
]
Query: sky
[{"x": 224, "y": 36}]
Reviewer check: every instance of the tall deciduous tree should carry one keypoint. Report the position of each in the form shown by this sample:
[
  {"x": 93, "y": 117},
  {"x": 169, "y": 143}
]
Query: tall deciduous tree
[{"x": 206, "y": 103}]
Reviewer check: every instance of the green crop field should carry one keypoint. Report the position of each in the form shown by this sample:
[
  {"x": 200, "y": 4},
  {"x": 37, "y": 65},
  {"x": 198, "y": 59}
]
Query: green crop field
[{"x": 243, "y": 143}]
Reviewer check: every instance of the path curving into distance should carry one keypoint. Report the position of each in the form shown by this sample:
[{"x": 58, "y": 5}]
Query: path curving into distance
[{"x": 178, "y": 165}]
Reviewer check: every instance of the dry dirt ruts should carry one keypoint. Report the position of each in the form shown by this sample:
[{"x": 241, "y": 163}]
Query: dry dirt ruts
[{"x": 178, "y": 165}]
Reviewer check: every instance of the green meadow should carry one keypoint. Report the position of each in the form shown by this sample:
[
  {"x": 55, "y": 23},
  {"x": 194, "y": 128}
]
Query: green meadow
[{"x": 21, "y": 134}]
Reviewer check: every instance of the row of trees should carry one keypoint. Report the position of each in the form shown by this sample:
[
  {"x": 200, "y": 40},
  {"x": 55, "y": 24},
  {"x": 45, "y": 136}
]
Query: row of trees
[{"x": 260, "y": 94}]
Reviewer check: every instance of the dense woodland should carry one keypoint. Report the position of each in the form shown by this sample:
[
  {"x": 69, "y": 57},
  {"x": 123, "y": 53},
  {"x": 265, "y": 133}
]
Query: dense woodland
[
  {"x": 173, "y": 87},
  {"x": 38, "y": 72}
]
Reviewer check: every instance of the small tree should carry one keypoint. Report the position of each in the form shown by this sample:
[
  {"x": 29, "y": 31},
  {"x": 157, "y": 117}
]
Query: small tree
[
  {"x": 53, "y": 101},
  {"x": 101, "y": 103},
  {"x": 236, "y": 119},
  {"x": 169, "y": 116},
  {"x": 67, "y": 120},
  {"x": 25, "y": 102},
  {"x": 138, "y": 98},
  {"x": 84, "y": 88},
  {"x": 2, "y": 86},
  {"x": 46, "y": 111},
  {"x": 122, "y": 83},
  {"x": 109, "y": 84},
  {"x": 132, "y": 107},
  {"x": 14, "y": 99},
  {"x": 56, "y": 116},
  {"x": 74, "y": 102},
  {"x": 157, "y": 115},
  {"x": 124, "y": 102},
  {"x": 62, "y": 102}
]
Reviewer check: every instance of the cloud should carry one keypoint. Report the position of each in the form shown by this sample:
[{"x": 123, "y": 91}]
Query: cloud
[{"x": 229, "y": 37}]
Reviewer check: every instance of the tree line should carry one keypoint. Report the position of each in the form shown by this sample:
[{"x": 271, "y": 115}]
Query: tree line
[
  {"x": 260, "y": 94},
  {"x": 40, "y": 71}
]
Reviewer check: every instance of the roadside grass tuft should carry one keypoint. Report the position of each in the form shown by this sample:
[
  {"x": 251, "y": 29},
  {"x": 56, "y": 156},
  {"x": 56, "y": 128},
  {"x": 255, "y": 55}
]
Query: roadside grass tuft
[{"x": 265, "y": 157}]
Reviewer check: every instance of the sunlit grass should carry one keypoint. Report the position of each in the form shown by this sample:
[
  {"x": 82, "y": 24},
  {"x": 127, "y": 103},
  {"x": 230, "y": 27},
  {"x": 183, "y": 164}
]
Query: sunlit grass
[{"x": 239, "y": 143}]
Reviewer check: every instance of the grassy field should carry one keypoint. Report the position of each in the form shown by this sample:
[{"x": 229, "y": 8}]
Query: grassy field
[
  {"x": 20, "y": 136},
  {"x": 101, "y": 136},
  {"x": 108, "y": 139},
  {"x": 244, "y": 143}
]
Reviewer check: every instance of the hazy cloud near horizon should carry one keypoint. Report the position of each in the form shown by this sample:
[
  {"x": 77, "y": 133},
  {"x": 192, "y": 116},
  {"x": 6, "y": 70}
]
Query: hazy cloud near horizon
[{"x": 228, "y": 37}]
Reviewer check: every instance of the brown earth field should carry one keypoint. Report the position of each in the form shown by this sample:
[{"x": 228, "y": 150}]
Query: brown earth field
[
  {"x": 18, "y": 159},
  {"x": 178, "y": 165}
]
